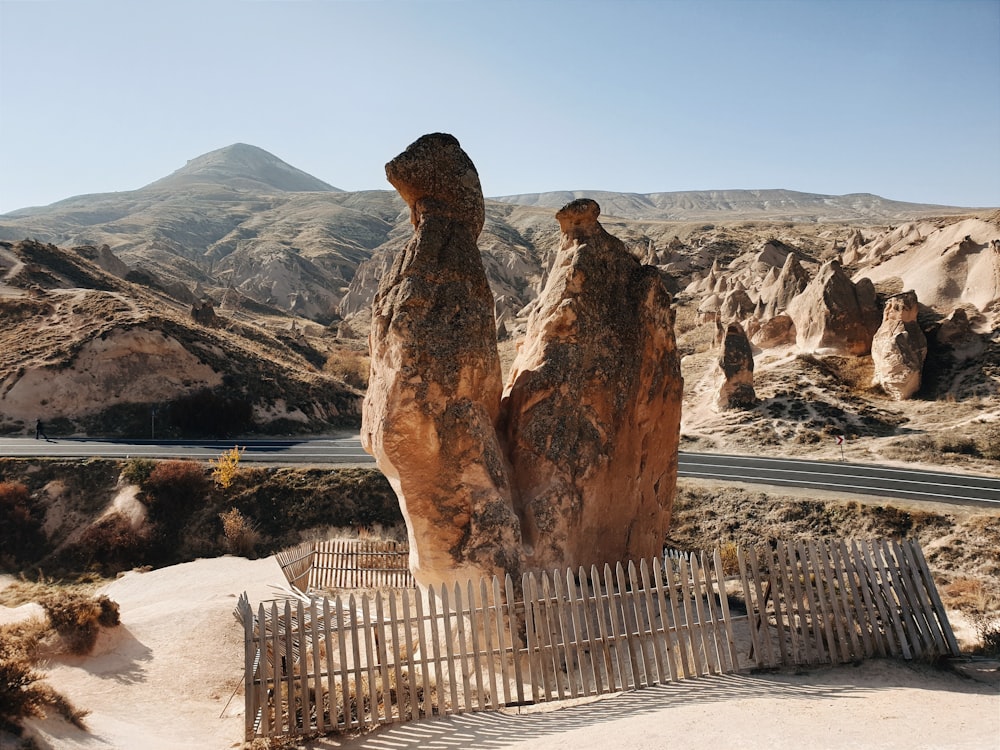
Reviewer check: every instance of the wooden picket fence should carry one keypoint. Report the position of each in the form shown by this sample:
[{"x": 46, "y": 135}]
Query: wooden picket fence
[
  {"x": 322, "y": 664},
  {"x": 347, "y": 564}
]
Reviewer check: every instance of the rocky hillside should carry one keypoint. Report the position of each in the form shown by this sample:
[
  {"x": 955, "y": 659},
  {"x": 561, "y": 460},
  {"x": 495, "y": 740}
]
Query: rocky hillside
[
  {"x": 240, "y": 218},
  {"x": 91, "y": 352}
]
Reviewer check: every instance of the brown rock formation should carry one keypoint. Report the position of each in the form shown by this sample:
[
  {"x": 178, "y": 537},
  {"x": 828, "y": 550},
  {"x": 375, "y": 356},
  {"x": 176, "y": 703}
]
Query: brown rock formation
[
  {"x": 733, "y": 371},
  {"x": 899, "y": 348},
  {"x": 434, "y": 390},
  {"x": 834, "y": 314},
  {"x": 956, "y": 333},
  {"x": 582, "y": 453},
  {"x": 592, "y": 404},
  {"x": 736, "y": 305},
  {"x": 791, "y": 281},
  {"x": 203, "y": 313},
  {"x": 776, "y": 331}
]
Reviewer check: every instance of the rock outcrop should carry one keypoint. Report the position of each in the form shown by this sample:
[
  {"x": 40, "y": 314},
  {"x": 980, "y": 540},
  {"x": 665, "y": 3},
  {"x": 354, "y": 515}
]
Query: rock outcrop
[
  {"x": 733, "y": 371},
  {"x": 957, "y": 334},
  {"x": 592, "y": 404},
  {"x": 203, "y": 313},
  {"x": 834, "y": 315},
  {"x": 899, "y": 348},
  {"x": 429, "y": 415},
  {"x": 791, "y": 281},
  {"x": 774, "y": 332},
  {"x": 578, "y": 463}
]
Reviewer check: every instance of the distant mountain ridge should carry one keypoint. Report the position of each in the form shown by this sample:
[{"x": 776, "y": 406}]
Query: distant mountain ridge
[
  {"x": 239, "y": 218},
  {"x": 719, "y": 205}
]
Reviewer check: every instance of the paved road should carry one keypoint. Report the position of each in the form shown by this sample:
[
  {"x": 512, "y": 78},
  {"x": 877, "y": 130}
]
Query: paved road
[{"x": 848, "y": 478}]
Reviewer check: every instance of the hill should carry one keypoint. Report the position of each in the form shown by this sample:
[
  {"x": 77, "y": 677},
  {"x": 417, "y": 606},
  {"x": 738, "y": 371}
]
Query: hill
[{"x": 91, "y": 352}]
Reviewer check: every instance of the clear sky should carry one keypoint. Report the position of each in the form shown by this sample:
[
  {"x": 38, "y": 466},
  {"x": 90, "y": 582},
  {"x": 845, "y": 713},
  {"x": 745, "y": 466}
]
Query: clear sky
[{"x": 895, "y": 97}]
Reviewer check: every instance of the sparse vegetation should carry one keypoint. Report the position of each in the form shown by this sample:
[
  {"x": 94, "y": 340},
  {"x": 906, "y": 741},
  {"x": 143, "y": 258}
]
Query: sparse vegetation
[
  {"x": 78, "y": 618},
  {"x": 350, "y": 366},
  {"x": 137, "y": 470},
  {"x": 241, "y": 534},
  {"x": 226, "y": 467}
]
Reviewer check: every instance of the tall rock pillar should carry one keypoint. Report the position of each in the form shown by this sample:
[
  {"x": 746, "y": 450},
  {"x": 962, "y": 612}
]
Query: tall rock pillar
[
  {"x": 591, "y": 410},
  {"x": 429, "y": 416}
]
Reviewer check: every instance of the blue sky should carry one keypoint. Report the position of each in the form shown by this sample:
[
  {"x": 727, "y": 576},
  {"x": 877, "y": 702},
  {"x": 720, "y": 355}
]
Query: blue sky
[{"x": 895, "y": 97}]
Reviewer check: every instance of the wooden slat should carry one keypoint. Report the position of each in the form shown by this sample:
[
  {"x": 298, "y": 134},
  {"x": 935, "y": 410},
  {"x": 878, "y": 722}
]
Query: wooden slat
[
  {"x": 378, "y": 628},
  {"x": 567, "y": 641},
  {"x": 701, "y": 616},
  {"x": 852, "y": 606},
  {"x": 681, "y": 629},
  {"x": 462, "y": 655},
  {"x": 538, "y": 691},
  {"x": 714, "y": 613},
  {"x": 656, "y": 640},
  {"x": 905, "y": 611},
  {"x": 891, "y": 605},
  {"x": 693, "y": 625},
  {"x": 808, "y": 578},
  {"x": 862, "y": 597},
  {"x": 411, "y": 665},
  {"x": 607, "y": 661},
  {"x": 727, "y": 622},
  {"x": 448, "y": 634},
  {"x": 316, "y": 637},
  {"x": 398, "y": 652},
  {"x": 662, "y": 604},
  {"x": 937, "y": 605},
  {"x": 615, "y": 631},
  {"x": 923, "y": 612},
  {"x": 581, "y": 627},
  {"x": 548, "y": 637},
  {"x": 427, "y": 699},
  {"x": 761, "y": 619},
  {"x": 474, "y": 629},
  {"x": 512, "y": 630},
  {"x": 751, "y": 607},
  {"x": 494, "y": 692},
  {"x": 630, "y": 627},
  {"x": 839, "y": 650}
]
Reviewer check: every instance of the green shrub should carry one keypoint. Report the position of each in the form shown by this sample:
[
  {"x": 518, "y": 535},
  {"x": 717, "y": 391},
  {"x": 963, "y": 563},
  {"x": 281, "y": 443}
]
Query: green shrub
[{"x": 137, "y": 470}]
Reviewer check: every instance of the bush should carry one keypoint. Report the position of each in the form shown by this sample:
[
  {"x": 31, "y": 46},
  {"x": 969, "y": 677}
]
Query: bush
[
  {"x": 20, "y": 531},
  {"x": 226, "y": 468},
  {"x": 110, "y": 545},
  {"x": 176, "y": 487},
  {"x": 22, "y": 694},
  {"x": 78, "y": 618},
  {"x": 350, "y": 366},
  {"x": 241, "y": 534},
  {"x": 137, "y": 470}
]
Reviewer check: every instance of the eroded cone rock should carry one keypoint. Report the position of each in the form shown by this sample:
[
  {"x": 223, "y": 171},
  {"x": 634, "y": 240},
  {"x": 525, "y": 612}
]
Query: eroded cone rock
[
  {"x": 592, "y": 405},
  {"x": 734, "y": 371},
  {"x": 435, "y": 385},
  {"x": 899, "y": 348},
  {"x": 835, "y": 315}
]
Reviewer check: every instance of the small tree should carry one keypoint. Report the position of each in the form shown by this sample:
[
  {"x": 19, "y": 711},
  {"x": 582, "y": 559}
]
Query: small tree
[{"x": 226, "y": 467}]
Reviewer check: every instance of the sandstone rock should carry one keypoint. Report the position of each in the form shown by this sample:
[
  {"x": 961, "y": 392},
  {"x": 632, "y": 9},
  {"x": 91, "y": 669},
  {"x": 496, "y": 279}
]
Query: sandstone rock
[
  {"x": 774, "y": 332},
  {"x": 833, "y": 314},
  {"x": 592, "y": 405},
  {"x": 733, "y": 371},
  {"x": 434, "y": 390},
  {"x": 736, "y": 305},
  {"x": 956, "y": 333},
  {"x": 708, "y": 310},
  {"x": 899, "y": 348},
  {"x": 790, "y": 282},
  {"x": 852, "y": 249}
]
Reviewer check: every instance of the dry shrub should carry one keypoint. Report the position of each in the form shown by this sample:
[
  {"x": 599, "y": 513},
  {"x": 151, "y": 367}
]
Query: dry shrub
[
  {"x": 20, "y": 530},
  {"x": 241, "y": 533},
  {"x": 110, "y": 545},
  {"x": 22, "y": 693},
  {"x": 350, "y": 366},
  {"x": 78, "y": 618},
  {"x": 982, "y": 608},
  {"x": 176, "y": 487}
]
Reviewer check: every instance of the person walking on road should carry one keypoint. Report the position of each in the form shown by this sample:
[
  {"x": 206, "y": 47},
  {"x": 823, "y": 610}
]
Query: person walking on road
[{"x": 40, "y": 431}]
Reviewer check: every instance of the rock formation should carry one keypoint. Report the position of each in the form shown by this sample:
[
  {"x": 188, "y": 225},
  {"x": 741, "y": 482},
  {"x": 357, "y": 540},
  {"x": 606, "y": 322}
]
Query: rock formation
[
  {"x": 733, "y": 372},
  {"x": 791, "y": 281},
  {"x": 736, "y": 305},
  {"x": 592, "y": 404},
  {"x": 774, "y": 332},
  {"x": 578, "y": 464},
  {"x": 434, "y": 391},
  {"x": 203, "y": 313},
  {"x": 835, "y": 315},
  {"x": 899, "y": 348},
  {"x": 956, "y": 333}
]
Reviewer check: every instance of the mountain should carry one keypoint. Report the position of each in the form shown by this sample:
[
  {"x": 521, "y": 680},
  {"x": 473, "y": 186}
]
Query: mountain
[
  {"x": 241, "y": 219},
  {"x": 242, "y": 167},
  {"x": 740, "y": 205}
]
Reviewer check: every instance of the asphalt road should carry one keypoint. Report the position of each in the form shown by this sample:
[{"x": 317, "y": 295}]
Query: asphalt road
[{"x": 848, "y": 478}]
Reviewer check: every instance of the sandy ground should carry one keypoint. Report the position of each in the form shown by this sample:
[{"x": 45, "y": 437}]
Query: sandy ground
[{"x": 169, "y": 677}]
